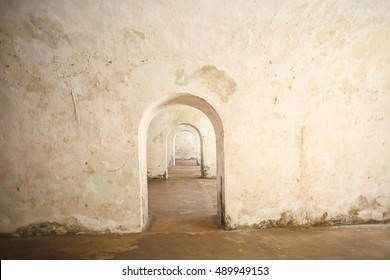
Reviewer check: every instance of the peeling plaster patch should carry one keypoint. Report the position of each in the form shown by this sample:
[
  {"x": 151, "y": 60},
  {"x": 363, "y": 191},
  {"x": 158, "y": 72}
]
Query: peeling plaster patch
[
  {"x": 216, "y": 80},
  {"x": 133, "y": 39}
]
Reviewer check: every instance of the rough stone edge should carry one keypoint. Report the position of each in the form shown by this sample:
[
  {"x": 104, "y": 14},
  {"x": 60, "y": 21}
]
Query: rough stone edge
[
  {"x": 288, "y": 221},
  {"x": 158, "y": 177}
]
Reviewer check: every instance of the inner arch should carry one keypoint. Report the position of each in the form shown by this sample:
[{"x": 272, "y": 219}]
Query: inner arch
[{"x": 197, "y": 103}]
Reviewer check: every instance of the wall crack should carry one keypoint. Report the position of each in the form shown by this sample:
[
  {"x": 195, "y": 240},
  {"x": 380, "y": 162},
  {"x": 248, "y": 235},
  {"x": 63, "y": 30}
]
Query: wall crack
[{"x": 75, "y": 109}]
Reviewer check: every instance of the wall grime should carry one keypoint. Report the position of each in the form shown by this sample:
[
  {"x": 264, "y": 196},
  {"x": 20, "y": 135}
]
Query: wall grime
[{"x": 214, "y": 79}]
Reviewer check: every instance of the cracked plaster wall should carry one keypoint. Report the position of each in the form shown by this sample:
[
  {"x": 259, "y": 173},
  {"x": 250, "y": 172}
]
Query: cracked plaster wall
[{"x": 302, "y": 88}]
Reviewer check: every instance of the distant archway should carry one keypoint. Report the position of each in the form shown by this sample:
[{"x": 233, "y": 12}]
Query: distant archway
[
  {"x": 203, "y": 106},
  {"x": 186, "y": 147},
  {"x": 170, "y": 144}
]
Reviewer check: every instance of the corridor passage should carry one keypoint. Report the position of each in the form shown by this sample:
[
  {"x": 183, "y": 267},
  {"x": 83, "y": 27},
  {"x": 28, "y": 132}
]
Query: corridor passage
[{"x": 184, "y": 202}]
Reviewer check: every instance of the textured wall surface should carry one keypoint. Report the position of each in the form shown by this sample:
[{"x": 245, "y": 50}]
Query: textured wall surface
[
  {"x": 186, "y": 146},
  {"x": 302, "y": 88}
]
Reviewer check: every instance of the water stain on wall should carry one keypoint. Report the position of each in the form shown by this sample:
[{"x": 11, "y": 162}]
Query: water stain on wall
[
  {"x": 46, "y": 30},
  {"x": 214, "y": 79},
  {"x": 133, "y": 39}
]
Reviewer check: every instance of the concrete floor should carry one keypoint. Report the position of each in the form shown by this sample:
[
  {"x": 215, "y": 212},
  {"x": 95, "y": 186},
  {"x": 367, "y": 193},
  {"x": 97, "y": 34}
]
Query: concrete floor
[
  {"x": 184, "y": 226},
  {"x": 184, "y": 169}
]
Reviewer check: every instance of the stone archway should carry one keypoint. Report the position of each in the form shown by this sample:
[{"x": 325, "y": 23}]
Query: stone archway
[
  {"x": 203, "y": 106},
  {"x": 186, "y": 147},
  {"x": 170, "y": 144}
]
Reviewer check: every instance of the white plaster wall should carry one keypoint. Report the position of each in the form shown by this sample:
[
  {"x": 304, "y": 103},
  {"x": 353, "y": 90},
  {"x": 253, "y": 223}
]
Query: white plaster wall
[
  {"x": 161, "y": 138},
  {"x": 302, "y": 88},
  {"x": 184, "y": 137},
  {"x": 186, "y": 146}
]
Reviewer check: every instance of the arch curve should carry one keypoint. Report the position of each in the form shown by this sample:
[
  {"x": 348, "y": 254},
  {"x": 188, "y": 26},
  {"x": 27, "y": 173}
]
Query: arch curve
[
  {"x": 170, "y": 142},
  {"x": 158, "y": 106}
]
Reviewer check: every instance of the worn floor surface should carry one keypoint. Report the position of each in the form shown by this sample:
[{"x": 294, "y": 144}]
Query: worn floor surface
[{"x": 184, "y": 226}]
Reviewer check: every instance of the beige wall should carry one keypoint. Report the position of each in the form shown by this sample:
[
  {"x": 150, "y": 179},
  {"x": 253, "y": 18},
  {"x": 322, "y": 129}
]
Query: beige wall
[
  {"x": 302, "y": 89},
  {"x": 186, "y": 146}
]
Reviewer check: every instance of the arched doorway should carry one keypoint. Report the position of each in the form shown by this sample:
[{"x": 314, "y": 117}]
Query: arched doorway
[
  {"x": 197, "y": 103},
  {"x": 171, "y": 155}
]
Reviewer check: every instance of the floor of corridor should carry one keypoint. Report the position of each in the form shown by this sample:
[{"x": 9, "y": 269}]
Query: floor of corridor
[
  {"x": 184, "y": 225},
  {"x": 183, "y": 205}
]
